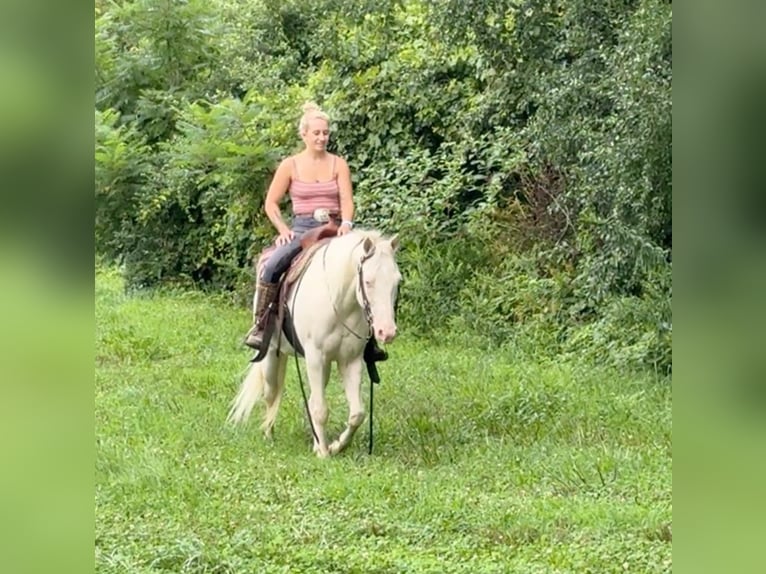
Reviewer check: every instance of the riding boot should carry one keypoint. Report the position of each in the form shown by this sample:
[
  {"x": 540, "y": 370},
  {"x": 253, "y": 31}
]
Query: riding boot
[
  {"x": 373, "y": 353},
  {"x": 267, "y": 294}
]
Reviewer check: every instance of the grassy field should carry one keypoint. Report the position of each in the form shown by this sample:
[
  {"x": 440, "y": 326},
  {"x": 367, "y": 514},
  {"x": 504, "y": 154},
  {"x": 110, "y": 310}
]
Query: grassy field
[{"x": 482, "y": 463}]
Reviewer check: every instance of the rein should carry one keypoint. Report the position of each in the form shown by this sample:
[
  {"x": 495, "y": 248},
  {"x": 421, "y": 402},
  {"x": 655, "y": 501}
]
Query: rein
[{"x": 298, "y": 366}]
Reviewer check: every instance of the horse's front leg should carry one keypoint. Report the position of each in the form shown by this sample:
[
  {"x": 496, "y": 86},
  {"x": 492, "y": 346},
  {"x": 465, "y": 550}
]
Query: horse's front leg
[
  {"x": 318, "y": 369},
  {"x": 351, "y": 374}
]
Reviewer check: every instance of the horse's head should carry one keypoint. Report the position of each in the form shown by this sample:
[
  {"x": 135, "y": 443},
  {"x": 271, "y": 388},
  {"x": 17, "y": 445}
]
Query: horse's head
[{"x": 378, "y": 285}]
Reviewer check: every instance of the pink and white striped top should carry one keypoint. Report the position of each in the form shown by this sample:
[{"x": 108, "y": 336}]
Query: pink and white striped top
[{"x": 308, "y": 196}]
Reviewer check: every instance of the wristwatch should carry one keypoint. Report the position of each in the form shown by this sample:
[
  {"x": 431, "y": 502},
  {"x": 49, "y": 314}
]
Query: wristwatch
[{"x": 348, "y": 222}]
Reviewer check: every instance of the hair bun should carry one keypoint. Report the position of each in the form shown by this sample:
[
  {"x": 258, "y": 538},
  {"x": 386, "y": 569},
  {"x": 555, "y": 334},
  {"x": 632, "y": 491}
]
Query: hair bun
[{"x": 311, "y": 111}]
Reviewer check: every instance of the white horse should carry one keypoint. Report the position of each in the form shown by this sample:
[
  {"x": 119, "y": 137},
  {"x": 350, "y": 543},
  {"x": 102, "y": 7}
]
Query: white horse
[{"x": 347, "y": 291}]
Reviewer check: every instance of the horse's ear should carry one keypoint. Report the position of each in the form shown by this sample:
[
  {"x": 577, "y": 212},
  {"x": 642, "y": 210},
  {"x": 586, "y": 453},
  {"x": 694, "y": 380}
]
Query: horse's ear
[
  {"x": 394, "y": 242},
  {"x": 368, "y": 246}
]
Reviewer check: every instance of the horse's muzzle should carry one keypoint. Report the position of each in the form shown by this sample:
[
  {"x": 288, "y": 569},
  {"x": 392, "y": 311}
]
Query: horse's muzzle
[{"x": 385, "y": 333}]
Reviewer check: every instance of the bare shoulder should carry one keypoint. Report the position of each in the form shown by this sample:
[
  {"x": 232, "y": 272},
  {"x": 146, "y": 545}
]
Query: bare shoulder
[
  {"x": 340, "y": 163},
  {"x": 287, "y": 162},
  {"x": 285, "y": 167}
]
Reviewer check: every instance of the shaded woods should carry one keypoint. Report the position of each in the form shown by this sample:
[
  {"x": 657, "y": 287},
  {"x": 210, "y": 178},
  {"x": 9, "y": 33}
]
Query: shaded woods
[{"x": 521, "y": 149}]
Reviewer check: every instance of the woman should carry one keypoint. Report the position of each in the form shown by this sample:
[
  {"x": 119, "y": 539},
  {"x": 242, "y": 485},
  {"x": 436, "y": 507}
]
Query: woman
[{"x": 319, "y": 184}]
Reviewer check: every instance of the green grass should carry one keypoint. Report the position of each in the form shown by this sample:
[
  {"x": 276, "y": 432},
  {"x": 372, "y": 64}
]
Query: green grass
[{"x": 482, "y": 463}]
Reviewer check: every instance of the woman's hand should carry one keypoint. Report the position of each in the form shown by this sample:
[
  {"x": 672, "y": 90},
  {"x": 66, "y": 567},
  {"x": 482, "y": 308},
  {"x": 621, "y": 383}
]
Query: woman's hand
[
  {"x": 343, "y": 229},
  {"x": 285, "y": 237}
]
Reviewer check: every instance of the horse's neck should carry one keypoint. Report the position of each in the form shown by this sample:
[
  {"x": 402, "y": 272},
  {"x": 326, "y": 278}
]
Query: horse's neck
[{"x": 341, "y": 275}]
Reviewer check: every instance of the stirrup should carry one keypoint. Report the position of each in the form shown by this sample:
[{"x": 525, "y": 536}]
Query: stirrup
[
  {"x": 250, "y": 339},
  {"x": 261, "y": 351}
]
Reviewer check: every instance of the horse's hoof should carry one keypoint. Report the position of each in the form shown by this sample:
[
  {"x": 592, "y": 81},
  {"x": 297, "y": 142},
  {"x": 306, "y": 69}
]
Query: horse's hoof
[{"x": 335, "y": 447}]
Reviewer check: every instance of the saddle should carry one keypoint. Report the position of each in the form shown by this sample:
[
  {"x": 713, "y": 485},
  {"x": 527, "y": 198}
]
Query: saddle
[{"x": 310, "y": 242}]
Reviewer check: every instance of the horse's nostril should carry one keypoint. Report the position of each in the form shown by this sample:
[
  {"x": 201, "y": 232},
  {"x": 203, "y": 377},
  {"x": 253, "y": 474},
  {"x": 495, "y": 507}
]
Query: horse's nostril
[{"x": 385, "y": 335}]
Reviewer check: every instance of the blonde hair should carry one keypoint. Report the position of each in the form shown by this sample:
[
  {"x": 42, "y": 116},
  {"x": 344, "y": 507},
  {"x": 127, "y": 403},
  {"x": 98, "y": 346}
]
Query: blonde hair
[{"x": 310, "y": 111}]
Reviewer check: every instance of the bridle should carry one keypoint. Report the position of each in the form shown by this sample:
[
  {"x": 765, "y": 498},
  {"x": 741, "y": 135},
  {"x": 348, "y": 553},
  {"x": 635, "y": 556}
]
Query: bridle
[{"x": 366, "y": 306}]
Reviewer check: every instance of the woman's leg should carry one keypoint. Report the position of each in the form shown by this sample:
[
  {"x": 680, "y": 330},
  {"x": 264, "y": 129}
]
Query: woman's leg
[{"x": 267, "y": 287}]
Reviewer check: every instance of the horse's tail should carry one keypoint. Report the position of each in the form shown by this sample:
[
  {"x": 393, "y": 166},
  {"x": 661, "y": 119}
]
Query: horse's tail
[{"x": 250, "y": 392}]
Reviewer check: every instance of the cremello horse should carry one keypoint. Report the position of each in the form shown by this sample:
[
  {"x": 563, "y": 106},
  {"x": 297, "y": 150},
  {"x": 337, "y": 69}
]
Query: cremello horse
[{"x": 348, "y": 289}]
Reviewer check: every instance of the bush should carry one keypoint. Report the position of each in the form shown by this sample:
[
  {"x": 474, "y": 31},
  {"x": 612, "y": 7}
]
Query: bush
[
  {"x": 192, "y": 213},
  {"x": 123, "y": 169}
]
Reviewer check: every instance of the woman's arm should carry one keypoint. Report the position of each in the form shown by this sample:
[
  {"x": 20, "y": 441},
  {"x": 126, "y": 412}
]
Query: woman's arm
[
  {"x": 346, "y": 196},
  {"x": 277, "y": 190}
]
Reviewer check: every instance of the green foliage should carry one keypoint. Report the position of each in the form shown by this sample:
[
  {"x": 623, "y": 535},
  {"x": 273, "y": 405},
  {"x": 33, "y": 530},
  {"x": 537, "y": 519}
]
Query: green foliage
[
  {"x": 123, "y": 162},
  {"x": 203, "y": 220},
  {"x": 433, "y": 280},
  {"x": 629, "y": 331},
  {"x": 151, "y": 54},
  {"x": 521, "y": 149}
]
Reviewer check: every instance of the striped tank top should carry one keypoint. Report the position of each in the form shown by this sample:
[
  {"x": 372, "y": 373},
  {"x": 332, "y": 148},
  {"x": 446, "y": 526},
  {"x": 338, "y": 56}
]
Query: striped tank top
[{"x": 308, "y": 196}]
